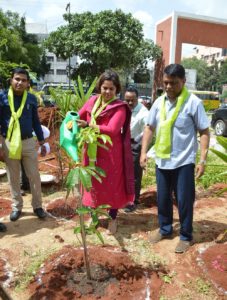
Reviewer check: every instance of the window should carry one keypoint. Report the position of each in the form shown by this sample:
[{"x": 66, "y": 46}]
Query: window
[
  {"x": 224, "y": 52},
  {"x": 61, "y": 72},
  {"x": 60, "y": 59},
  {"x": 50, "y": 58},
  {"x": 51, "y": 72}
]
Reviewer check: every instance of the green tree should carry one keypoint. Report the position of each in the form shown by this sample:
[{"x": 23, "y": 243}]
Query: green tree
[
  {"x": 13, "y": 48},
  {"x": 223, "y": 74},
  {"x": 19, "y": 47},
  {"x": 142, "y": 75},
  {"x": 5, "y": 70},
  {"x": 203, "y": 72},
  {"x": 104, "y": 40}
]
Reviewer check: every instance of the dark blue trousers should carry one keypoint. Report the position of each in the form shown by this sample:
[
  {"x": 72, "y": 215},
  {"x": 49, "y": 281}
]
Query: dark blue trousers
[
  {"x": 181, "y": 182},
  {"x": 138, "y": 171}
]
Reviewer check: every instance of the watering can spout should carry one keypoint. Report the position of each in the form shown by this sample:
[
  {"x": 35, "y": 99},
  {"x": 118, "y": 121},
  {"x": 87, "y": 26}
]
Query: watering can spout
[{"x": 68, "y": 136}]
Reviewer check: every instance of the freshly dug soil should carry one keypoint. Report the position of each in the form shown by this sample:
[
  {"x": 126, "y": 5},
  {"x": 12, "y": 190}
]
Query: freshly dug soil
[
  {"x": 62, "y": 208},
  {"x": 114, "y": 276},
  {"x": 5, "y": 207}
]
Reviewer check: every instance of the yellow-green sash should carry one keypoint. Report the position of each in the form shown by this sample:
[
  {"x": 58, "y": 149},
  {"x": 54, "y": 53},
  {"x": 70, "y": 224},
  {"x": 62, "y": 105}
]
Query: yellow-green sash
[
  {"x": 96, "y": 111},
  {"x": 14, "y": 133},
  {"x": 164, "y": 136}
]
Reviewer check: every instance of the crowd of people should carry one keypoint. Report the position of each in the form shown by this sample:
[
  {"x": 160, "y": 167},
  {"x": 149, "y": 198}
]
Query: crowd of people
[{"x": 174, "y": 119}]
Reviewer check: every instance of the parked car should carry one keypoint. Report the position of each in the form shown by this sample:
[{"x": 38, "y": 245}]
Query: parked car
[
  {"x": 47, "y": 100},
  {"x": 219, "y": 120}
]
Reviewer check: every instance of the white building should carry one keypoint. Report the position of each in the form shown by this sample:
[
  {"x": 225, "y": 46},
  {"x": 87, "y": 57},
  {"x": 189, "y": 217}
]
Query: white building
[
  {"x": 210, "y": 54},
  {"x": 58, "y": 66}
]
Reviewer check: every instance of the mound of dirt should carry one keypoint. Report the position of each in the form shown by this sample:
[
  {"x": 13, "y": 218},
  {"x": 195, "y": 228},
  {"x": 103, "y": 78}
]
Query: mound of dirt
[
  {"x": 114, "y": 276},
  {"x": 62, "y": 208}
]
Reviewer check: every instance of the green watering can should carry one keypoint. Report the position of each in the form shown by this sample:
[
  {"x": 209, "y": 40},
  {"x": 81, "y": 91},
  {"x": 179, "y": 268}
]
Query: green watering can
[{"x": 68, "y": 136}]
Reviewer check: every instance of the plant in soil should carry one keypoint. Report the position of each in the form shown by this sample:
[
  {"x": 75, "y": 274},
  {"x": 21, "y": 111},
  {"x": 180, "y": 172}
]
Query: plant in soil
[
  {"x": 66, "y": 100},
  {"x": 222, "y": 155},
  {"x": 80, "y": 176}
]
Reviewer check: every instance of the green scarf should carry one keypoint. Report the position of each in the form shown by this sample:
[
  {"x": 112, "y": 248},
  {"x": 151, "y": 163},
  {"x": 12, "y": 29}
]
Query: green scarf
[
  {"x": 164, "y": 136},
  {"x": 96, "y": 111},
  {"x": 14, "y": 133}
]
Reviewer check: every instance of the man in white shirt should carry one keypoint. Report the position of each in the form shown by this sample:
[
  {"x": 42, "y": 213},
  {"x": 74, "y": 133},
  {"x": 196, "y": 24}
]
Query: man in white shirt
[{"x": 138, "y": 120}]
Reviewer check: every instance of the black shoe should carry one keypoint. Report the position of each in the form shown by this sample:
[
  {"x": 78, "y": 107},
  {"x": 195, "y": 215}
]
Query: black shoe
[
  {"x": 40, "y": 213},
  {"x": 2, "y": 227},
  {"x": 130, "y": 208},
  {"x": 15, "y": 215}
]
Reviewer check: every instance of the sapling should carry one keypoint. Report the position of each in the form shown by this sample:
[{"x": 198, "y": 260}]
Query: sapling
[{"x": 79, "y": 176}]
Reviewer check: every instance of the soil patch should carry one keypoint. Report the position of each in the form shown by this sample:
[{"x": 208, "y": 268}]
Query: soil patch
[
  {"x": 5, "y": 207},
  {"x": 62, "y": 208},
  {"x": 115, "y": 277},
  {"x": 213, "y": 262}
]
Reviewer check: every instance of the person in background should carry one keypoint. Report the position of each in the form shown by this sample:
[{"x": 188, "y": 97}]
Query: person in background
[
  {"x": 176, "y": 116},
  {"x": 138, "y": 121},
  {"x": 18, "y": 119},
  {"x": 2, "y": 226},
  {"x": 110, "y": 116}
]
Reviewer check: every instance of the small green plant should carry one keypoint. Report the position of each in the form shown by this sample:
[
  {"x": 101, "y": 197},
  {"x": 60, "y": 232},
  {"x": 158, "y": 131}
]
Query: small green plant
[
  {"x": 95, "y": 213},
  {"x": 149, "y": 174},
  {"x": 167, "y": 278},
  {"x": 66, "y": 100},
  {"x": 202, "y": 286},
  {"x": 222, "y": 155},
  {"x": 223, "y": 142},
  {"x": 79, "y": 177}
]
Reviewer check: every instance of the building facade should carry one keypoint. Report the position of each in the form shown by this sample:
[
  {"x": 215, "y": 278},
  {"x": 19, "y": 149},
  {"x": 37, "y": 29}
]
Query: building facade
[
  {"x": 211, "y": 54},
  {"x": 59, "y": 68}
]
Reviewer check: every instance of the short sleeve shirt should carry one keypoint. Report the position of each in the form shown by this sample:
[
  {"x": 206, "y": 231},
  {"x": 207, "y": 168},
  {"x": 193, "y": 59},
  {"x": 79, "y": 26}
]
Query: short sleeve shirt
[{"x": 191, "y": 119}]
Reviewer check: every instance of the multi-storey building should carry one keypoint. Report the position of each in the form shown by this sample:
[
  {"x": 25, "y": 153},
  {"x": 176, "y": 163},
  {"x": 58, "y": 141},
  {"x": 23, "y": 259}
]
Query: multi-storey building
[
  {"x": 59, "y": 68},
  {"x": 211, "y": 54}
]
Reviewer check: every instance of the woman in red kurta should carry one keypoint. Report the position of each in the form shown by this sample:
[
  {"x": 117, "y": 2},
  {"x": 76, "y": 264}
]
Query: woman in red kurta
[{"x": 112, "y": 117}]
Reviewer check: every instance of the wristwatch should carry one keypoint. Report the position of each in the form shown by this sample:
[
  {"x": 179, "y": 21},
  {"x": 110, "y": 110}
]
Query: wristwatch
[{"x": 202, "y": 162}]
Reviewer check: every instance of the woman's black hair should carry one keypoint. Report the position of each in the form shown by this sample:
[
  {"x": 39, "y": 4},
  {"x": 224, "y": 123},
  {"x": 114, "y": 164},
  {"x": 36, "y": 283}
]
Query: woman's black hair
[{"x": 111, "y": 76}]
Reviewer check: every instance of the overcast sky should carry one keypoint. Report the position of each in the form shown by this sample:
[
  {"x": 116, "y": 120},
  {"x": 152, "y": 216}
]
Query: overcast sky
[{"x": 147, "y": 11}]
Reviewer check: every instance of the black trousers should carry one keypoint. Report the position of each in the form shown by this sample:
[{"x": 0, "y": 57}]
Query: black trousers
[{"x": 138, "y": 171}]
